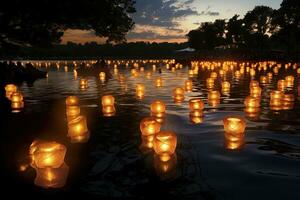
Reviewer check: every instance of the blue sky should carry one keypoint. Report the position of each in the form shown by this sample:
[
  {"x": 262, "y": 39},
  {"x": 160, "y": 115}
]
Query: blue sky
[{"x": 170, "y": 20}]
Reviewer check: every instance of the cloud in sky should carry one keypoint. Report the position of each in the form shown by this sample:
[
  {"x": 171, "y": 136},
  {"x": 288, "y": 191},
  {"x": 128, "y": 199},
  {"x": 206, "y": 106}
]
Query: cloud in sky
[{"x": 170, "y": 20}]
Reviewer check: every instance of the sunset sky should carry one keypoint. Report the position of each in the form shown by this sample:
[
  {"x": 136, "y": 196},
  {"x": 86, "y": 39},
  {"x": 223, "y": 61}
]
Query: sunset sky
[{"x": 170, "y": 20}]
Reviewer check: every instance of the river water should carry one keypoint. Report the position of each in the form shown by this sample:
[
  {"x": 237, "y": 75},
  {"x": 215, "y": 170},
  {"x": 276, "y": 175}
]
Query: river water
[{"x": 112, "y": 165}]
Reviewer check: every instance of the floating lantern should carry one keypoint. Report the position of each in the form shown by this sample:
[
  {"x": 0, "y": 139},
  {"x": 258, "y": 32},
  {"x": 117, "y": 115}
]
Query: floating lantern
[
  {"x": 77, "y": 130},
  {"x": 108, "y": 100},
  {"x": 234, "y": 128},
  {"x": 178, "y": 94},
  {"x": 254, "y": 83},
  {"x": 214, "y": 75},
  {"x": 149, "y": 126},
  {"x": 196, "y": 104},
  {"x": 164, "y": 144},
  {"x": 213, "y": 95},
  {"x": 263, "y": 79},
  {"x": 252, "y": 102},
  {"x": 140, "y": 90},
  {"x": 210, "y": 82},
  {"x": 148, "y": 75},
  {"x": 52, "y": 177},
  {"x": 10, "y": 89},
  {"x": 165, "y": 169},
  {"x": 188, "y": 85},
  {"x": 48, "y": 154},
  {"x": 237, "y": 74},
  {"x": 281, "y": 84},
  {"x": 102, "y": 76},
  {"x": 252, "y": 72},
  {"x": 225, "y": 86},
  {"x": 276, "y": 94},
  {"x": 158, "y": 82},
  {"x": 134, "y": 72},
  {"x": 289, "y": 80},
  {"x": 83, "y": 84},
  {"x": 158, "y": 107},
  {"x": 276, "y": 70},
  {"x": 72, "y": 112},
  {"x": 16, "y": 101},
  {"x": 255, "y": 92},
  {"x": 72, "y": 101}
]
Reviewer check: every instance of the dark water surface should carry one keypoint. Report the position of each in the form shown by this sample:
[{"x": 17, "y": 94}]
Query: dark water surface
[{"x": 111, "y": 164}]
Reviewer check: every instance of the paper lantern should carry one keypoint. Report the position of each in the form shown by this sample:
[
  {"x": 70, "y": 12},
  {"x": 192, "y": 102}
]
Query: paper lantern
[
  {"x": 234, "y": 128},
  {"x": 108, "y": 100},
  {"x": 289, "y": 80},
  {"x": 148, "y": 75},
  {"x": 149, "y": 126},
  {"x": 16, "y": 101},
  {"x": 10, "y": 89},
  {"x": 72, "y": 101},
  {"x": 255, "y": 92},
  {"x": 77, "y": 130},
  {"x": 83, "y": 84},
  {"x": 52, "y": 177},
  {"x": 214, "y": 75},
  {"x": 281, "y": 84},
  {"x": 225, "y": 86},
  {"x": 252, "y": 102},
  {"x": 196, "y": 104},
  {"x": 48, "y": 154},
  {"x": 237, "y": 74},
  {"x": 102, "y": 76},
  {"x": 165, "y": 143},
  {"x": 276, "y": 94},
  {"x": 252, "y": 72},
  {"x": 158, "y": 107},
  {"x": 134, "y": 72},
  {"x": 254, "y": 83},
  {"x": 72, "y": 112},
  {"x": 213, "y": 95},
  {"x": 210, "y": 82},
  {"x": 188, "y": 85},
  {"x": 158, "y": 82},
  {"x": 275, "y": 70},
  {"x": 140, "y": 91},
  {"x": 263, "y": 79},
  {"x": 178, "y": 94},
  {"x": 165, "y": 169}
]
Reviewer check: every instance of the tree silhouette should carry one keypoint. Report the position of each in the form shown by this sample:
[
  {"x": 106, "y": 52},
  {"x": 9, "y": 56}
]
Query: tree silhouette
[{"x": 43, "y": 22}]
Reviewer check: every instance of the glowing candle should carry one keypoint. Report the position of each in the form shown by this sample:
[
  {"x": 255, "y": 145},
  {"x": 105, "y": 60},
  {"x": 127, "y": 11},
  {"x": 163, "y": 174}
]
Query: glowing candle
[
  {"x": 10, "y": 89},
  {"x": 52, "y": 177},
  {"x": 77, "y": 130},
  {"x": 234, "y": 128},
  {"x": 165, "y": 143},
  {"x": 48, "y": 154},
  {"x": 159, "y": 82},
  {"x": 72, "y": 101}
]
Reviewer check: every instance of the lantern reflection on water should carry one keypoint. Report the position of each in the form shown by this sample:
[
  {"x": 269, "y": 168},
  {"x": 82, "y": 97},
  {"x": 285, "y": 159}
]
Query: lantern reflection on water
[
  {"x": 47, "y": 154},
  {"x": 164, "y": 144},
  {"x": 165, "y": 169},
  {"x": 10, "y": 89},
  {"x": 72, "y": 112},
  {"x": 140, "y": 91},
  {"x": 213, "y": 95},
  {"x": 77, "y": 130},
  {"x": 52, "y": 177}
]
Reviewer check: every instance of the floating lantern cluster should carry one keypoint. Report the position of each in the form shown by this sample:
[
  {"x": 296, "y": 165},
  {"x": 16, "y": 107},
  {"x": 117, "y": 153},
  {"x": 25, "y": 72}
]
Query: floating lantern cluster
[{"x": 108, "y": 106}]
